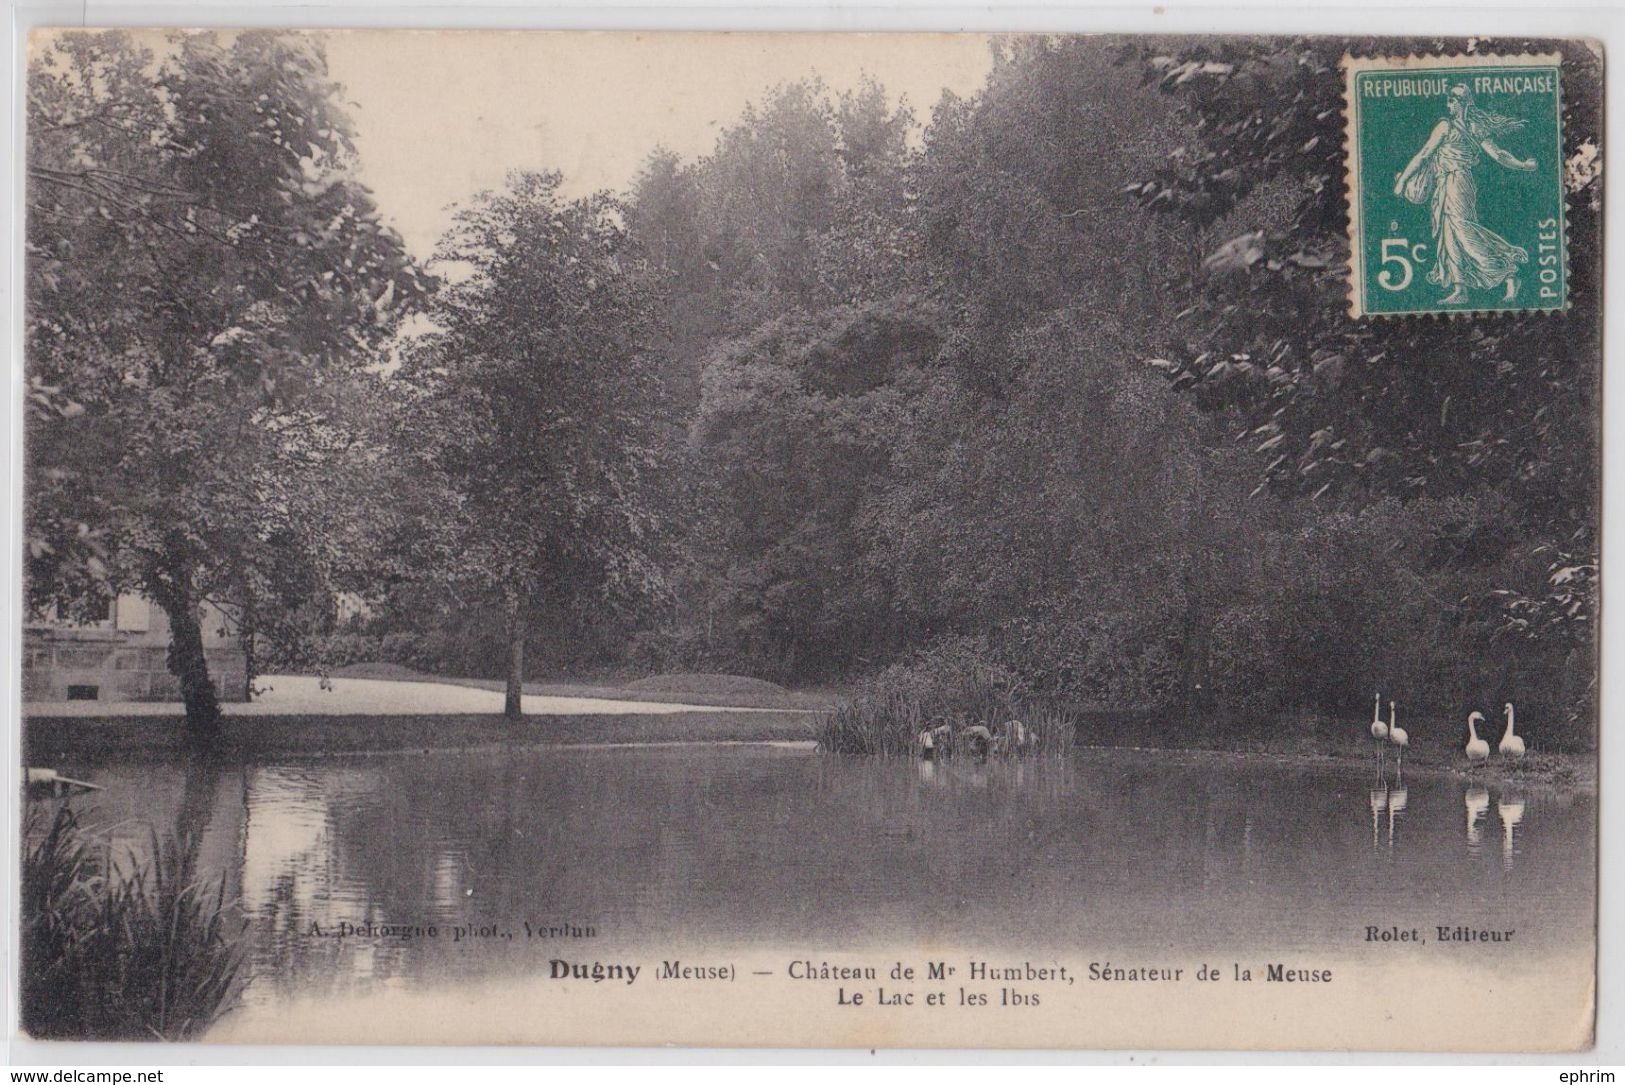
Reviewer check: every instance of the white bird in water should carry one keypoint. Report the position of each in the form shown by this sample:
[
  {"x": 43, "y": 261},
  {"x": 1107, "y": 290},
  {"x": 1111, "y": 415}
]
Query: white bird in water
[
  {"x": 1511, "y": 744},
  {"x": 1397, "y": 735},
  {"x": 1477, "y": 748},
  {"x": 1379, "y": 730}
]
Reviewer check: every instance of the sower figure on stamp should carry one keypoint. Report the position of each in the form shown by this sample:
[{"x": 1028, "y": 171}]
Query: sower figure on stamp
[{"x": 1467, "y": 253}]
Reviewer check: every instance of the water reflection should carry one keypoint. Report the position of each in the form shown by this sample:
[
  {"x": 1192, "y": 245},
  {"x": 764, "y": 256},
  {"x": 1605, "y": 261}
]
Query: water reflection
[
  {"x": 927, "y": 769},
  {"x": 1391, "y": 801},
  {"x": 1399, "y": 797},
  {"x": 656, "y": 849},
  {"x": 191, "y": 807},
  {"x": 1379, "y": 803},
  {"x": 1510, "y": 809},
  {"x": 1477, "y": 798}
]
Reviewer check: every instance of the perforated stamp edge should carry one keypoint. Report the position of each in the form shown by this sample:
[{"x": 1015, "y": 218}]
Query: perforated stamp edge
[{"x": 1353, "y": 66}]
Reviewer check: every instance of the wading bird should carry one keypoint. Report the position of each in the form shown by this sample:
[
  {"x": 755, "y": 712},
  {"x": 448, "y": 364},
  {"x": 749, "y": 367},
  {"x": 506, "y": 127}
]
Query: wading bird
[
  {"x": 1379, "y": 730},
  {"x": 926, "y": 745},
  {"x": 1511, "y": 744},
  {"x": 1477, "y": 748},
  {"x": 978, "y": 740},
  {"x": 1397, "y": 735}
]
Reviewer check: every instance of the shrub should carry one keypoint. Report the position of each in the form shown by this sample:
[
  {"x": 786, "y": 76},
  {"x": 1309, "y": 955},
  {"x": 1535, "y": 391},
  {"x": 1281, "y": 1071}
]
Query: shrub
[
  {"x": 1123, "y": 653},
  {"x": 1250, "y": 680}
]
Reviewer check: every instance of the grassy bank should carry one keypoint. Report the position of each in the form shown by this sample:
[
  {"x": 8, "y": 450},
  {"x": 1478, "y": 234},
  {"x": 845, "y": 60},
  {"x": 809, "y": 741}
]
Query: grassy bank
[
  {"x": 1435, "y": 746},
  {"x": 885, "y": 715},
  {"x": 74, "y": 738},
  {"x": 722, "y": 691}
]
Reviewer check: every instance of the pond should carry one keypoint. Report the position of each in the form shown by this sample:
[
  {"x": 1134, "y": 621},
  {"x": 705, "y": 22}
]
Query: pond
[{"x": 762, "y": 856}]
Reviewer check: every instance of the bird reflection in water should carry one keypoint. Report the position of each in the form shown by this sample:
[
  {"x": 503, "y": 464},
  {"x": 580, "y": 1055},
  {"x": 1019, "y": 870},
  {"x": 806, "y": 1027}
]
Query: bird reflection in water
[
  {"x": 1477, "y": 799},
  {"x": 1391, "y": 800},
  {"x": 1398, "y": 798},
  {"x": 1018, "y": 773},
  {"x": 1379, "y": 803},
  {"x": 1510, "y": 807},
  {"x": 998, "y": 775},
  {"x": 951, "y": 774}
]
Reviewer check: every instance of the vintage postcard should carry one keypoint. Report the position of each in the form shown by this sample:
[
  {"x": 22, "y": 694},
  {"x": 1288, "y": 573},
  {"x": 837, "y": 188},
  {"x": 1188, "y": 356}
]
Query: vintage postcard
[{"x": 840, "y": 540}]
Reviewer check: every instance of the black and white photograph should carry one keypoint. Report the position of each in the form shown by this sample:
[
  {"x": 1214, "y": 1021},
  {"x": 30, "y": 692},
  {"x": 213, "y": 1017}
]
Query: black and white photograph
[{"x": 809, "y": 540}]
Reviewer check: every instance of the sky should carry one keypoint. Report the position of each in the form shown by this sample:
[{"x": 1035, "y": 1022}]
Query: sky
[{"x": 441, "y": 115}]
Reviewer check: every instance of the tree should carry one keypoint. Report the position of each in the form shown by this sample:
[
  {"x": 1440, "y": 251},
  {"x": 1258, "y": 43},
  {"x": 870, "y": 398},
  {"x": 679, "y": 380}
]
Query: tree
[
  {"x": 794, "y": 438},
  {"x": 666, "y": 223},
  {"x": 947, "y": 389},
  {"x": 1409, "y": 408},
  {"x": 538, "y": 401},
  {"x": 1021, "y": 204},
  {"x": 205, "y": 281},
  {"x": 803, "y": 203},
  {"x": 770, "y": 188}
]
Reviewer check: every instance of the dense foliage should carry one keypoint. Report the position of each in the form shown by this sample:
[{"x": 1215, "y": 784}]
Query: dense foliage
[
  {"x": 1485, "y": 430},
  {"x": 207, "y": 285},
  {"x": 1060, "y": 378},
  {"x": 534, "y": 409},
  {"x": 971, "y": 442}
]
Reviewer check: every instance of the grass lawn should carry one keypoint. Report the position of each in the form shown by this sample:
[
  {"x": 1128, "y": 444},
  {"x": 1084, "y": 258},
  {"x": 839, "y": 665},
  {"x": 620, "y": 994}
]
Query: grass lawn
[{"x": 724, "y": 691}]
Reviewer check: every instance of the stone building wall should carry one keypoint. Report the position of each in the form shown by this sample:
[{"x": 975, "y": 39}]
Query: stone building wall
[{"x": 124, "y": 658}]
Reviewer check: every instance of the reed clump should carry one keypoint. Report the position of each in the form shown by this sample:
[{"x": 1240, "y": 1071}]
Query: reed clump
[
  {"x": 957, "y": 684},
  {"x": 133, "y": 950}
]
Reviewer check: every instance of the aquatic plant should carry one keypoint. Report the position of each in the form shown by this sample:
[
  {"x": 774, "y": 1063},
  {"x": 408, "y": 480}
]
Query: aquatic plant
[
  {"x": 132, "y": 950},
  {"x": 954, "y": 683},
  {"x": 874, "y": 721}
]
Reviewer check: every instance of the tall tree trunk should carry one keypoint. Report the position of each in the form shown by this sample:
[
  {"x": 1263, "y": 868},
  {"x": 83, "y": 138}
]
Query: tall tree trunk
[
  {"x": 247, "y": 629},
  {"x": 511, "y": 704},
  {"x": 188, "y": 663},
  {"x": 250, "y": 665}
]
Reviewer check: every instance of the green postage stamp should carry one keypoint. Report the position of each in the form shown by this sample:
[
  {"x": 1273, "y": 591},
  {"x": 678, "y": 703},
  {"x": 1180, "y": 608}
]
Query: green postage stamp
[{"x": 1455, "y": 174}]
